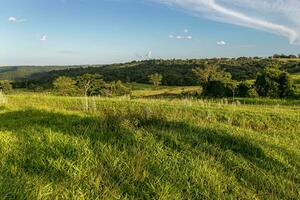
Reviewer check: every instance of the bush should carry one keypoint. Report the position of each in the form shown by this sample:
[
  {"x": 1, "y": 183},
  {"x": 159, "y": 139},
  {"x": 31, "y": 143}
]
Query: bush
[
  {"x": 118, "y": 89},
  {"x": 273, "y": 82},
  {"x": 215, "y": 82},
  {"x": 5, "y": 87},
  {"x": 247, "y": 89}
]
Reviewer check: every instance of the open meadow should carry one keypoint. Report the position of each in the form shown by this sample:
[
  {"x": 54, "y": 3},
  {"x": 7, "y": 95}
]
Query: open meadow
[{"x": 53, "y": 147}]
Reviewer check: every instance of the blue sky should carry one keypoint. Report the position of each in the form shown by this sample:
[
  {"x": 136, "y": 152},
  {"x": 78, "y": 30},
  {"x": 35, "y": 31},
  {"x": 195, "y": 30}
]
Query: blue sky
[{"x": 50, "y": 32}]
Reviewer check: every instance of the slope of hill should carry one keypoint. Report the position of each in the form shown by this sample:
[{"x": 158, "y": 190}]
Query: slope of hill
[
  {"x": 50, "y": 148},
  {"x": 175, "y": 72},
  {"x": 25, "y": 72}
]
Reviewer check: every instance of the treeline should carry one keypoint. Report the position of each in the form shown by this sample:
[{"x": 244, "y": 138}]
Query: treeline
[
  {"x": 14, "y": 73},
  {"x": 286, "y": 56},
  {"x": 271, "y": 82},
  {"x": 175, "y": 72},
  {"x": 214, "y": 82}
]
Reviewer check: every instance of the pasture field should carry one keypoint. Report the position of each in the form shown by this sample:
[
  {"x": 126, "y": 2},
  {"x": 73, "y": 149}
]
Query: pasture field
[{"x": 120, "y": 148}]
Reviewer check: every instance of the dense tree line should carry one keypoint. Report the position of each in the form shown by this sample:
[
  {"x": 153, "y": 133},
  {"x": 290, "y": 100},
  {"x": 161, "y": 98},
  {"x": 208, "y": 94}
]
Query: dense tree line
[
  {"x": 272, "y": 82},
  {"x": 175, "y": 72}
]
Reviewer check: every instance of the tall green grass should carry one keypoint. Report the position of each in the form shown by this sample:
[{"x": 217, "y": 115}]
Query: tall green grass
[{"x": 50, "y": 148}]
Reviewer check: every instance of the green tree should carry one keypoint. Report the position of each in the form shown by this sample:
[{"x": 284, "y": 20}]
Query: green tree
[
  {"x": 155, "y": 79},
  {"x": 90, "y": 84},
  {"x": 273, "y": 82},
  {"x": 5, "y": 86},
  {"x": 232, "y": 86},
  {"x": 65, "y": 86},
  {"x": 215, "y": 82}
]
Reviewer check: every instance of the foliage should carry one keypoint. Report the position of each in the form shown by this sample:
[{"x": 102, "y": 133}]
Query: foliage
[
  {"x": 155, "y": 79},
  {"x": 148, "y": 149},
  {"x": 5, "y": 86},
  {"x": 90, "y": 84},
  {"x": 215, "y": 82},
  {"x": 247, "y": 89},
  {"x": 273, "y": 82},
  {"x": 174, "y": 72},
  {"x": 118, "y": 89},
  {"x": 65, "y": 86}
]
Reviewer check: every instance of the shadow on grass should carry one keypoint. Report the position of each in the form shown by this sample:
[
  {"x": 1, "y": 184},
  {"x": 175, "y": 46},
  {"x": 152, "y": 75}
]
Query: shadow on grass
[
  {"x": 185, "y": 137},
  {"x": 111, "y": 130}
]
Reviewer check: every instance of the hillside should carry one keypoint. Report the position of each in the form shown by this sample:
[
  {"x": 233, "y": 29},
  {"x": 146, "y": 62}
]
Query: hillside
[
  {"x": 25, "y": 72},
  {"x": 50, "y": 148},
  {"x": 175, "y": 72}
]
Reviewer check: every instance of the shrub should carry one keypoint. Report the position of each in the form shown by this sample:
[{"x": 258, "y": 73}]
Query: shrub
[
  {"x": 215, "y": 82},
  {"x": 5, "y": 87},
  {"x": 273, "y": 82},
  {"x": 119, "y": 89},
  {"x": 247, "y": 89}
]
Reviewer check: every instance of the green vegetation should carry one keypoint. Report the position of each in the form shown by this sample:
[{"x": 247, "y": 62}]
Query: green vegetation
[
  {"x": 65, "y": 86},
  {"x": 174, "y": 72},
  {"x": 296, "y": 79},
  {"x": 5, "y": 86},
  {"x": 50, "y": 148},
  {"x": 274, "y": 83},
  {"x": 26, "y": 72},
  {"x": 155, "y": 79},
  {"x": 215, "y": 82},
  {"x": 102, "y": 133}
]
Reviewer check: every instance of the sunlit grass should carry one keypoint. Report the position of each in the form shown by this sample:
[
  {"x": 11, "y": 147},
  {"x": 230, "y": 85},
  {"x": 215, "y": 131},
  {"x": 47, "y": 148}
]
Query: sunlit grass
[{"x": 126, "y": 148}]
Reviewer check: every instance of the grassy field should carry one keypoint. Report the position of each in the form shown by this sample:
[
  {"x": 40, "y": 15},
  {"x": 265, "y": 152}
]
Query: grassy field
[{"x": 53, "y": 148}]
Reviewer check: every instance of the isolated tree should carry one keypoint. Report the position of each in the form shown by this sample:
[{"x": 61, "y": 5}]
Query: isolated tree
[
  {"x": 155, "y": 79},
  {"x": 65, "y": 85},
  {"x": 89, "y": 84},
  {"x": 5, "y": 86},
  {"x": 273, "y": 82}
]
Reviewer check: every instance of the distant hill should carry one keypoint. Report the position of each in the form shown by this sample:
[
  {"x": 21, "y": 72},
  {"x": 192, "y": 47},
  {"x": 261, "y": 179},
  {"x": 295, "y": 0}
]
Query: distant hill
[
  {"x": 175, "y": 72},
  {"x": 26, "y": 72}
]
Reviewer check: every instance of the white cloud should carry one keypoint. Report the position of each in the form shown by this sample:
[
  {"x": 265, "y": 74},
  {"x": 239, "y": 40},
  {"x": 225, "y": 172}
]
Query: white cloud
[
  {"x": 181, "y": 37},
  {"x": 14, "y": 19},
  {"x": 281, "y": 17},
  {"x": 221, "y": 43},
  {"x": 44, "y": 38}
]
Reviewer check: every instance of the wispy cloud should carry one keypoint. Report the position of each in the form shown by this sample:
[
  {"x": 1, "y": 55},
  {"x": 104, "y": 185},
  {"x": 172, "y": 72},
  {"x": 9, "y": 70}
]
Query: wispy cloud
[
  {"x": 15, "y": 19},
  {"x": 181, "y": 36},
  {"x": 281, "y": 17}
]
